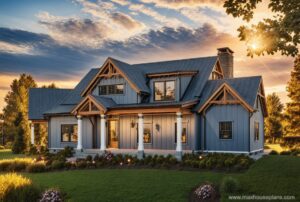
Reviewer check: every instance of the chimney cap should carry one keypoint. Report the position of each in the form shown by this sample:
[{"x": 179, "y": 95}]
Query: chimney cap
[{"x": 225, "y": 49}]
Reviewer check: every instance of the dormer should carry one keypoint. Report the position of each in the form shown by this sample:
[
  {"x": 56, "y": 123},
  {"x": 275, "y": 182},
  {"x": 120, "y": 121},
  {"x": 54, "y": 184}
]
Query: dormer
[{"x": 169, "y": 86}]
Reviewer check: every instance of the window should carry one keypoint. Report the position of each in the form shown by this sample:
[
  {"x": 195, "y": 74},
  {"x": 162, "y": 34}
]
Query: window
[
  {"x": 69, "y": 133},
  {"x": 183, "y": 134},
  {"x": 147, "y": 133},
  {"x": 164, "y": 90},
  {"x": 256, "y": 131},
  {"x": 111, "y": 89},
  {"x": 225, "y": 130}
]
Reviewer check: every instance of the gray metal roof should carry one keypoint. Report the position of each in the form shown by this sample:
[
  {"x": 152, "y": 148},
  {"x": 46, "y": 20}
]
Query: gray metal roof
[
  {"x": 42, "y": 99},
  {"x": 74, "y": 96},
  {"x": 60, "y": 109},
  {"x": 61, "y": 101},
  {"x": 104, "y": 101},
  {"x": 246, "y": 87}
]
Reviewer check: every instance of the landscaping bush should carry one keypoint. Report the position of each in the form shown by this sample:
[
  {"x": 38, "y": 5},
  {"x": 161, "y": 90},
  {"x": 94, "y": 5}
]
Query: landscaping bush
[
  {"x": 52, "y": 195},
  {"x": 81, "y": 164},
  {"x": 57, "y": 164},
  {"x": 205, "y": 192},
  {"x": 285, "y": 153},
  {"x": 67, "y": 152},
  {"x": 32, "y": 150},
  {"x": 295, "y": 152},
  {"x": 36, "y": 167},
  {"x": 229, "y": 185},
  {"x": 2, "y": 147},
  {"x": 17, "y": 188},
  {"x": 17, "y": 164},
  {"x": 273, "y": 152}
]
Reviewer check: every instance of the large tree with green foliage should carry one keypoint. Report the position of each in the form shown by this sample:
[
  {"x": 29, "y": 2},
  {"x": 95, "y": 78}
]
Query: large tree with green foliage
[
  {"x": 278, "y": 33},
  {"x": 273, "y": 126},
  {"x": 16, "y": 112},
  {"x": 293, "y": 107}
]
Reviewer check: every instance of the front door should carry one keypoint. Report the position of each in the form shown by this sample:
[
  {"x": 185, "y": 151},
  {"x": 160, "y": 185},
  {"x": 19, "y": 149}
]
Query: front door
[{"x": 113, "y": 134}]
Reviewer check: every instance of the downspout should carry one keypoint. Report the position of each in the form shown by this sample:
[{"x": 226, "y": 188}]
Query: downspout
[
  {"x": 249, "y": 144},
  {"x": 204, "y": 134}
]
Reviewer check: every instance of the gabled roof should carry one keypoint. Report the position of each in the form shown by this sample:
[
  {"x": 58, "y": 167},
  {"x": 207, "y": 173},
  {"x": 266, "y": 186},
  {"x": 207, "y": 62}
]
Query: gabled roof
[
  {"x": 102, "y": 103},
  {"x": 74, "y": 96},
  {"x": 246, "y": 87},
  {"x": 42, "y": 99}
]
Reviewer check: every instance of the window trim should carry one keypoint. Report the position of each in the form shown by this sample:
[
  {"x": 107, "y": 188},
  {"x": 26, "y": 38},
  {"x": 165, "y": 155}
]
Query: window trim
[
  {"x": 165, "y": 90},
  {"x": 107, "y": 86},
  {"x": 187, "y": 133},
  {"x": 231, "y": 130},
  {"x": 256, "y": 139},
  {"x": 61, "y": 134}
]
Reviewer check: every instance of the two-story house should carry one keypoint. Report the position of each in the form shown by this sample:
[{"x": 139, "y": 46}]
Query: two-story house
[{"x": 161, "y": 107}]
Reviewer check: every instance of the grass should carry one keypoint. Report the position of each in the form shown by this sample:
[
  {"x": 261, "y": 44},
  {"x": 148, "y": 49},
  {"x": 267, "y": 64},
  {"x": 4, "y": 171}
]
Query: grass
[
  {"x": 271, "y": 175},
  {"x": 7, "y": 154}
]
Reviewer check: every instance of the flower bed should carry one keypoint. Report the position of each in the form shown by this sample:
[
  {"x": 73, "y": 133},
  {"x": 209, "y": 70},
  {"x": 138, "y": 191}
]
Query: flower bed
[{"x": 223, "y": 162}]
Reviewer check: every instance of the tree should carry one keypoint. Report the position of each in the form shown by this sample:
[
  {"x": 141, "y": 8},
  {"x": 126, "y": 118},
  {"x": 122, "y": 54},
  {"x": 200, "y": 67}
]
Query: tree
[
  {"x": 293, "y": 107},
  {"x": 280, "y": 33},
  {"x": 52, "y": 85},
  {"x": 17, "y": 108},
  {"x": 19, "y": 144},
  {"x": 273, "y": 126}
]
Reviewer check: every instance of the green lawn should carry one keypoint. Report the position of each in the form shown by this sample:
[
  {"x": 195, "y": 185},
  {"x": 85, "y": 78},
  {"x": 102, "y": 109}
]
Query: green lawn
[
  {"x": 7, "y": 154},
  {"x": 272, "y": 175}
]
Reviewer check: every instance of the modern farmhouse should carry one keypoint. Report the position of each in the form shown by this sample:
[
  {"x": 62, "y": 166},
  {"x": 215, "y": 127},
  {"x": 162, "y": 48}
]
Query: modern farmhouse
[{"x": 168, "y": 107}]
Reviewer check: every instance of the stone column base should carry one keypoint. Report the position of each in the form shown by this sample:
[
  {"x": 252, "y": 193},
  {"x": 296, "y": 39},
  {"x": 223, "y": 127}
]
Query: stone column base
[
  {"x": 140, "y": 154},
  {"x": 178, "y": 155}
]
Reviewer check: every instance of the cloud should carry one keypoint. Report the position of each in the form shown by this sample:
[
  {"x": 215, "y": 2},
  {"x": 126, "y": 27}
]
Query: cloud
[
  {"x": 162, "y": 19},
  {"x": 177, "y": 4},
  {"x": 121, "y": 2},
  {"x": 126, "y": 21},
  {"x": 15, "y": 49}
]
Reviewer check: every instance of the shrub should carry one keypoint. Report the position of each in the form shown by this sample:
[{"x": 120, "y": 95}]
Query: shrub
[
  {"x": 229, "y": 185},
  {"x": 32, "y": 150},
  {"x": 17, "y": 164},
  {"x": 2, "y": 147},
  {"x": 36, "y": 167},
  {"x": 295, "y": 152},
  {"x": 52, "y": 195},
  {"x": 205, "y": 192},
  {"x": 89, "y": 158},
  {"x": 81, "y": 164},
  {"x": 57, "y": 164},
  {"x": 285, "y": 153},
  {"x": 273, "y": 152},
  {"x": 17, "y": 188}
]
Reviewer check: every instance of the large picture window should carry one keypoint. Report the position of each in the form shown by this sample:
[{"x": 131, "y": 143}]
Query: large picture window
[
  {"x": 183, "y": 134},
  {"x": 69, "y": 133},
  {"x": 147, "y": 133},
  {"x": 164, "y": 90},
  {"x": 225, "y": 130},
  {"x": 256, "y": 131},
  {"x": 111, "y": 89}
]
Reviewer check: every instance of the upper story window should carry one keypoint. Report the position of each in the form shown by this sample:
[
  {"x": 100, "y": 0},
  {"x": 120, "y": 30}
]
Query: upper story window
[
  {"x": 225, "y": 130},
  {"x": 111, "y": 89},
  {"x": 164, "y": 90}
]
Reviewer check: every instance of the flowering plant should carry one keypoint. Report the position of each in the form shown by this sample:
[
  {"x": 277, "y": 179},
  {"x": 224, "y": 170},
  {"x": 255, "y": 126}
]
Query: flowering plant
[
  {"x": 52, "y": 195},
  {"x": 204, "y": 192}
]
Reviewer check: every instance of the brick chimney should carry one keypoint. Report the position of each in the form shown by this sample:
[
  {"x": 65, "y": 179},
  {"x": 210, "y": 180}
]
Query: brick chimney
[{"x": 226, "y": 59}]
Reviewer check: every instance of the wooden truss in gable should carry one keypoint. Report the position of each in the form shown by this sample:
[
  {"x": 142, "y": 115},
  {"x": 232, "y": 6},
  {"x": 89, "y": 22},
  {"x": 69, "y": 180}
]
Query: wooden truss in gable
[
  {"x": 225, "y": 95},
  {"x": 217, "y": 72},
  {"x": 88, "y": 106}
]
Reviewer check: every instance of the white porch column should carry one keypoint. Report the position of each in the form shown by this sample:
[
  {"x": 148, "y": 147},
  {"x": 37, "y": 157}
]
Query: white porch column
[
  {"x": 179, "y": 134},
  {"x": 141, "y": 136},
  {"x": 32, "y": 133},
  {"x": 80, "y": 131},
  {"x": 103, "y": 132}
]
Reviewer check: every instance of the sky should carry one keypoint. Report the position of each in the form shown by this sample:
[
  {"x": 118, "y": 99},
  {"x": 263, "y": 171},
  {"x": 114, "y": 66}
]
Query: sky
[{"x": 60, "y": 40}]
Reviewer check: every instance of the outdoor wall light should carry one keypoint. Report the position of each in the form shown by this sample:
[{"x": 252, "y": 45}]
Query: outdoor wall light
[
  {"x": 157, "y": 127},
  {"x": 132, "y": 124}
]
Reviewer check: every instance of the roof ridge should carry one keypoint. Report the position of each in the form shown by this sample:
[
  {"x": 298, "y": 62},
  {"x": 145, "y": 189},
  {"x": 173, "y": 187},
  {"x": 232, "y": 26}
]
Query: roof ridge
[
  {"x": 184, "y": 59},
  {"x": 53, "y": 88}
]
